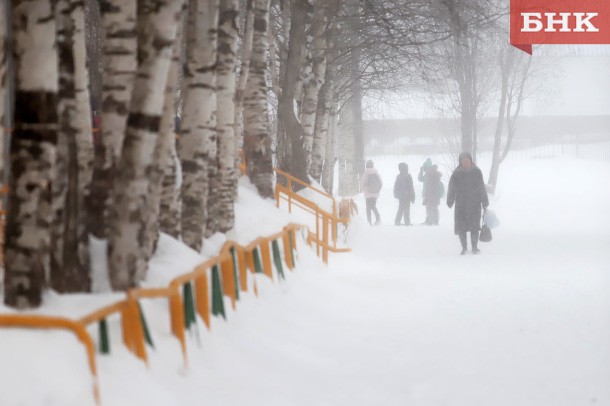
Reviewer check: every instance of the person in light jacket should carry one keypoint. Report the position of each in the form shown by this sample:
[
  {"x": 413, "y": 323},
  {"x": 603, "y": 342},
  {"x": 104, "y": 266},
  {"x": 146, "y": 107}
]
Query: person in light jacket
[
  {"x": 467, "y": 191},
  {"x": 404, "y": 192},
  {"x": 371, "y": 184},
  {"x": 433, "y": 192}
]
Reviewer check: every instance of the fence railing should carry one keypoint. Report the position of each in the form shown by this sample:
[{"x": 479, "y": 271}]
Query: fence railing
[
  {"x": 326, "y": 224},
  {"x": 222, "y": 275}
]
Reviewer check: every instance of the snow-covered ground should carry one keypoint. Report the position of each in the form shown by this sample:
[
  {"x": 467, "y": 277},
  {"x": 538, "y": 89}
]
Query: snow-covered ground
[{"x": 402, "y": 320}]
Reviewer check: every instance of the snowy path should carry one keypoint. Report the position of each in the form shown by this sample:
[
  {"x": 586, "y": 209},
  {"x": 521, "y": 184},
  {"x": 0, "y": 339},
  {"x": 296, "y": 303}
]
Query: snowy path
[
  {"x": 424, "y": 326},
  {"x": 401, "y": 320},
  {"x": 405, "y": 320}
]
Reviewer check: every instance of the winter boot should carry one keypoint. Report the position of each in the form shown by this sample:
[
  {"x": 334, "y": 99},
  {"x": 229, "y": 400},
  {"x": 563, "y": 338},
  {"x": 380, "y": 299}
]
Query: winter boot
[
  {"x": 464, "y": 243},
  {"x": 474, "y": 239}
]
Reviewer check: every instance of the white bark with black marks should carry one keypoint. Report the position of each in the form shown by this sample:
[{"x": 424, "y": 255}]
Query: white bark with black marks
[
  {"x": 198, "y": 125},
  {"x": 157, "y": 23},
  {"x": 314, "y": 82},
  {"x": 32, "y": 155},
  {"x": 328, "y": 169},
  {"x": 226, "y": 79},
  {"x": 257, "y": 137},
  {"x": 119, "y": 60},
  {"x": 166, "y": 142}
]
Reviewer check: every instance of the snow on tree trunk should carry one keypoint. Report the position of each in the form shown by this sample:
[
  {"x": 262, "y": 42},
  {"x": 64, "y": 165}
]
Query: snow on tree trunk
[
  {"x": 328, "y": 170},
  {"x": 311, "y": 89},
  {"x": 157, "y": 23},
  {"x": 119, "y": 60},
  {"x": 70, "y": 249},
  {"x": 165, "y": 144},
  {"x": 198, "y": 125},
  {"x": 257, "y": 137},
  {"x": 227, "y": 172},
  {"x": 32, "y": 155}
]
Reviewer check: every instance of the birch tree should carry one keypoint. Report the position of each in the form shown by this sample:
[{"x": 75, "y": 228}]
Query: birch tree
[
  {"x": 328, "y": 169},
  {"x": 291, "y": 155},
  {"x": 119, "y": 60},
  {"x": 226, "y": 79},
  {"x": 70, "y": 249},
  {"x": 157, "y": 24},
  {"x": 257, "y": 137},
  {"x": 198, "y": 126},
  {"x": 165, "y": 144},
  {"x": 3, "y": 31},
  {"x": 27, "y": 241},
  {"x": 312, "y": 85}
]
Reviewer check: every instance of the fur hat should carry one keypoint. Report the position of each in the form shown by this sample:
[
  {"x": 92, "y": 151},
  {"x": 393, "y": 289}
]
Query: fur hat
[{"x": 465, "y": 155}]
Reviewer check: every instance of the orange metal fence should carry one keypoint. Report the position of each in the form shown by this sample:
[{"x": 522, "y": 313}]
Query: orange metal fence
[
  {"x": 324, "y": 234},
  {"x": 233, "y": 273}
]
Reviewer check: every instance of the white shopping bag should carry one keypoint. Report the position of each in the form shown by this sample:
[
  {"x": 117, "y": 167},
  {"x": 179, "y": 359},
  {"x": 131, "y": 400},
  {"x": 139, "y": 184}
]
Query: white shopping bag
[{"x": 490, "y": 219}]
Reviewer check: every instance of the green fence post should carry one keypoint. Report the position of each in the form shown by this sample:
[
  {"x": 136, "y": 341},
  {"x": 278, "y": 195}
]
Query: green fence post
[
  {"x": 147, "y": 335},
  {"x": 291, "y": 247},
  {"x": 257, "y": 261},
  {"x": 189, "y": 305},
  {"x": 104, "y": 338},
  {"x": 235, "y": 273},
  {"x": 277, "y": 258},
  {"x": 218, "y": 305}
]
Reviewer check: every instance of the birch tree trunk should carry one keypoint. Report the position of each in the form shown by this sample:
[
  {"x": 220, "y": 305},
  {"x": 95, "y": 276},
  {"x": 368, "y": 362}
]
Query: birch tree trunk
[
  {"x": 165, "y": 144},
  {"x": 290, "y": 131},
  {"x": 27, "y": 244},
  {"x": 311, "y": 89},
  {"x": 70, "y": 249},
  {"x": 119, "y": 60},
  {"x": 257, "y": 138},
  {"x": 227, "y": 172},
  {"x": 322, "y": 124},
  {"x": 345, "y": 149},
  {"x": 198, "y": 126},
  {"x": 244, "y": 71},
  {"x": 328, "y": 170},
  {"x": 3, "y": 44},
  {"x": 157, "y": 23},
  {"x": 171, "y": 205}
]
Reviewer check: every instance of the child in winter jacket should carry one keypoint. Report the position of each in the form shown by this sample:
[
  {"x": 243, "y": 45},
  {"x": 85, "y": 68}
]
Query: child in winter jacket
[
  {"x": 404, "y": 192},
  {"x": 434, "y": 190},
  {"x": 371, "y": 184}
]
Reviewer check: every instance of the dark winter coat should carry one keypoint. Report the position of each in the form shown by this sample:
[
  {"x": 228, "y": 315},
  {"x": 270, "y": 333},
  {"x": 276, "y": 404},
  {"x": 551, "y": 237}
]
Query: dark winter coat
[
  {"x": 467, "y": 190},
  {"x": 434, "y": 189},
  {"x": 403, "y": 187}
]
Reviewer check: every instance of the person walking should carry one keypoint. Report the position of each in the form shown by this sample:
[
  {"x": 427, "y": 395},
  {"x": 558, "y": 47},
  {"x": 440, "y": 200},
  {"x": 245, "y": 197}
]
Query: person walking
[
  {"x": 371, "y": 184},
  {"x": 423, "y": 170},
  {"x": 467, "y": 191},
  {"x": 434, "y": 190},
  {"x": 404, "y": 192}
]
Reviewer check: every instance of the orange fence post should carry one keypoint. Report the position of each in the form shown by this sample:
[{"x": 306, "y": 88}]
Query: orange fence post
[
  {"x": 325, "y": 238},
  {"x": 266, "y": 254},
  {"x": 243, "y": 274},
  {"x": 177, "y": 320},
  {"x": 35, "y": 321},
  {"x": 228, "y": 280},
  {"x": 287, "y": 251},
  {"x": 202, "y": 298}
]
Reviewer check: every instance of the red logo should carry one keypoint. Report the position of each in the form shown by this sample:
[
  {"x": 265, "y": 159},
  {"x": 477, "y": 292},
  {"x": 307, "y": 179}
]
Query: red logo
[{"x": 559, "y": 22}]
